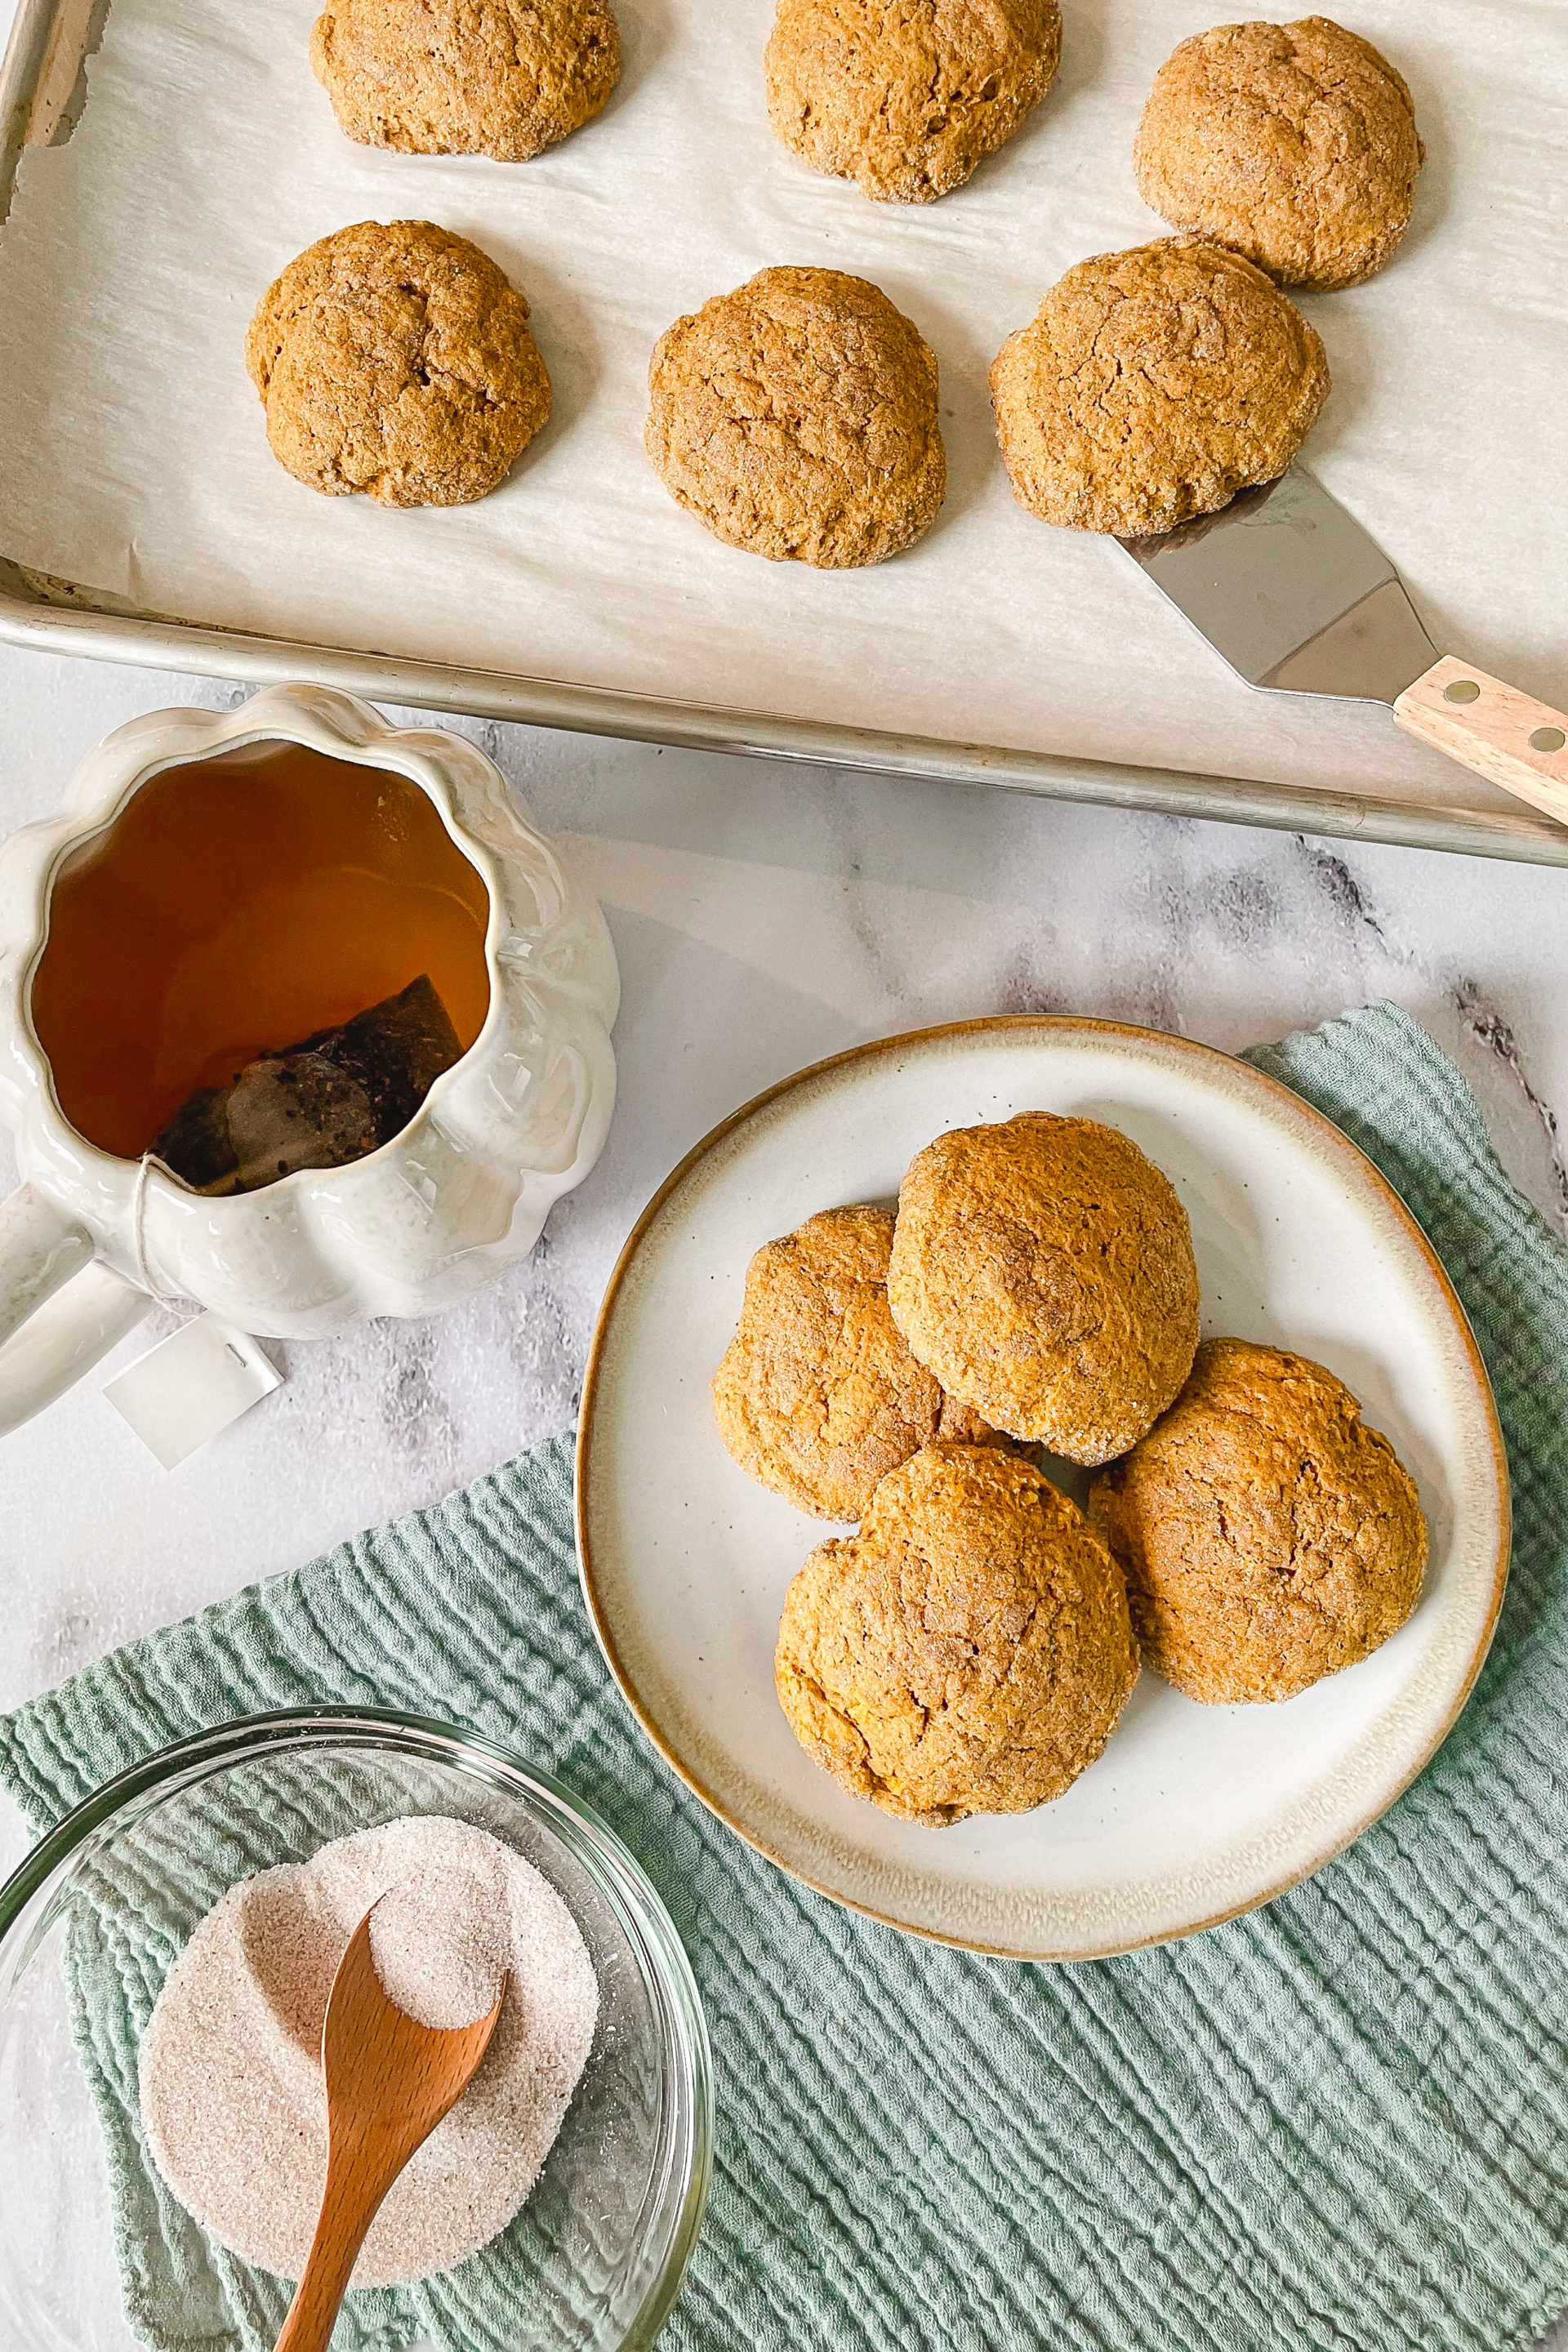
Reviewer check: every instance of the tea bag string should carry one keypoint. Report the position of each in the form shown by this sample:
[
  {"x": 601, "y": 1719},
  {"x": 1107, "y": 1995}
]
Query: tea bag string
[{"x": 145, "y": 1168}]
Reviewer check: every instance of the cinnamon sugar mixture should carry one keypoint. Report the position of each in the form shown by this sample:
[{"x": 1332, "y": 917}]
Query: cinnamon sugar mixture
[{"x": 231, "y": 2087}]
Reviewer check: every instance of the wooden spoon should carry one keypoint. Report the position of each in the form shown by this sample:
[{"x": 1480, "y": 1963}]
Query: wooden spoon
[{"x": 389, "y": 2079}]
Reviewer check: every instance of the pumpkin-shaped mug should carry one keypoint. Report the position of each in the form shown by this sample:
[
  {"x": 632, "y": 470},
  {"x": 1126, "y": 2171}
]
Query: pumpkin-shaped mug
[{"x": 215, "y": 887}]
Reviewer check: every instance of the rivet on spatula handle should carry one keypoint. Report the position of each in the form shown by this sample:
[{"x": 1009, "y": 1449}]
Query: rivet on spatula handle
[
  {"x": 389, "y": 2081},
  {"x": 1499, "y": 734}
]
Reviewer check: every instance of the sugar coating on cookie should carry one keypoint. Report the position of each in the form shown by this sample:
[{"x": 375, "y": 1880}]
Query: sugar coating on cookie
[
  {"x": 1293, "y": 144},
  {"x": 797, "y": 418},
  {"x": 394, "y": 358},
  {"x": 817, "y": 1396},
  {"x": 502, "y": 78},
  {"x": 1152, "y": 386},
  {"x": 907, "y": 96},
  {"x": 968, "y": 1651},
  {"x": 1268, "y": 1534},
  {"x": 1043, "y": 1270}
]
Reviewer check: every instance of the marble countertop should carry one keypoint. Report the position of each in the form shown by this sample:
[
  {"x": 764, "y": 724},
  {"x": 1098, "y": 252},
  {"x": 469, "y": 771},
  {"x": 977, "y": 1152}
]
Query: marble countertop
[{"x": 764, "y": 916}]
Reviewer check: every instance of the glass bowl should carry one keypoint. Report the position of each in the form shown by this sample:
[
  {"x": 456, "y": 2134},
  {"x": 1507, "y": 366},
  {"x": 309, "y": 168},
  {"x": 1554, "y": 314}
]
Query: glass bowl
[{"x": 605, "y": 2236}]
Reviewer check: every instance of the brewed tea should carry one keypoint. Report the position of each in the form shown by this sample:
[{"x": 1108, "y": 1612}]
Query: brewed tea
[{"x": 236, "y": 904}]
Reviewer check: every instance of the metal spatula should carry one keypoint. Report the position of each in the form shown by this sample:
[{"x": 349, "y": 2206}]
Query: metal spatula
[{"x": 1296, "y": 596}]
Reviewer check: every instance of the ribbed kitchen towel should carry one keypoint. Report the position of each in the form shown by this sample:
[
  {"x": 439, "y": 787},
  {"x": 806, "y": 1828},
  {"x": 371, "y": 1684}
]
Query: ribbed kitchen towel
[{"x": 1340, "y": 2122}]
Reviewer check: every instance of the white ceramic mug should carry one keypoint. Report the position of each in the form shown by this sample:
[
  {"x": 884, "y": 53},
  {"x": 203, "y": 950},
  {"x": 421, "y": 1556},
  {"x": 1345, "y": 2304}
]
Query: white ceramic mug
[{"x": 89, "y": 1241}]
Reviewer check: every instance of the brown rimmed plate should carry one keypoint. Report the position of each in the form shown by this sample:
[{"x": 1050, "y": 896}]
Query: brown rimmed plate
[{"x": 1193, "y": 1813}]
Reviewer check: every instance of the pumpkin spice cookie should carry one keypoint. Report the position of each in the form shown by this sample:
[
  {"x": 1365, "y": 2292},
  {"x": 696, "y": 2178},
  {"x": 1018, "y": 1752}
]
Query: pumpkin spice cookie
[
  {"x": 817, "y": 1395},
  {"x": 502, "y": 78},
  {"x": 908, "y": 100},
  {"x": 1293, "y": 144},
  {"x": 1152, "y": 386},
  {"x": 1043, "y": 1270},
  {"x": 1269, "y": 1537},
  {"x": 797, "y": 417},
  {"x": 395, "y": 359},
  {"x": 968, "y": 1651}
]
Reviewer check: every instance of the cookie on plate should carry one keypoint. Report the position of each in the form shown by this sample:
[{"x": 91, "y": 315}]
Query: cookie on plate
[
  {"x": 1267, "y": 1536},
  {"x": 906, "y": 101},
  {"x": 394, "y": 358},
  {"x": 817, "y": 1395},
  {"x": 502, "y": 78},
  {"x": 968, "y": 1651},
  {"x": 797, "y": 417},
  {"x": 1293, "y": 144},
  {"x": 1152, "y": 386},
  {"x": 1042, "y": 1269}
]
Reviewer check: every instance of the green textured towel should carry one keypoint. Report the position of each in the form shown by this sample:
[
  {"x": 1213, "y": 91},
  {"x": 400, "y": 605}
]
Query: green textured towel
[{"x": 1340, "y": 2122}]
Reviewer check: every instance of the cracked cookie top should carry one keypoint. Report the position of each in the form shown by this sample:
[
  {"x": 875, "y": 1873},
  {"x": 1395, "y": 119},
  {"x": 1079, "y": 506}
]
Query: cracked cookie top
[
  {"x": 968, "y": 1651},
  {"x": 1293, "y": 144},
  {"x": 907, "y": 96},
  {"x": 817, "y": 1396},
  {"x": 1268, "y": 1534},
  {"x": 502, "y": 78},
  {"x": 1042, "y": 1269},
  {"x": 394, "y": 358},
  {"x": 1152, "y": 386},
  {"x": 797, "y": 417}
]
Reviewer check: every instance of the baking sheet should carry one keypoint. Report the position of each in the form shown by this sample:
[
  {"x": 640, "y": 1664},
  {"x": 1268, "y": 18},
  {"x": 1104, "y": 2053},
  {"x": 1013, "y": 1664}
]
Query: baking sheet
[{"x": 133, "y": 457}]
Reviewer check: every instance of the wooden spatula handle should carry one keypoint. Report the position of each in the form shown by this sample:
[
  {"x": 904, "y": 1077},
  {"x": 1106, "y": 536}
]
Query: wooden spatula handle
[
  {"x": 1493, "y": 729},
  {"x": 348, "y": 2209}
]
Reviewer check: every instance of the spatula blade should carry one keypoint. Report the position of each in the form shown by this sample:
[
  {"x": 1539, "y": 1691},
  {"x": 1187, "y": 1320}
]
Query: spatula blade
[{"x": 1293, "y": 593}]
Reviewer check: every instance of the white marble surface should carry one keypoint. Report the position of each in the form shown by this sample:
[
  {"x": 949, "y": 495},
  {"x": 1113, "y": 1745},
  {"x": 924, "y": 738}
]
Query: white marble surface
[{"x": 763, "y": 917}]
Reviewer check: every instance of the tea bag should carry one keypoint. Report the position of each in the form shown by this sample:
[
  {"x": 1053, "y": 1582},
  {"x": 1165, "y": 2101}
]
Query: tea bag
[{"x": 320, "y": 1104}]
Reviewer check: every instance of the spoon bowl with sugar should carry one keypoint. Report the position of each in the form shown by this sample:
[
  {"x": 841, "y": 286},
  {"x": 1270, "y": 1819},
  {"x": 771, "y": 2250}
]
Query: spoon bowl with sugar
[{"x": 389, "y": 2081}]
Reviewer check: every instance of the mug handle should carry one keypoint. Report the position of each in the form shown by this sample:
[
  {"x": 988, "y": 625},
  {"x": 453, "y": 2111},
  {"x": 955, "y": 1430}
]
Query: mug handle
[{"x": 46, "y": 1341}]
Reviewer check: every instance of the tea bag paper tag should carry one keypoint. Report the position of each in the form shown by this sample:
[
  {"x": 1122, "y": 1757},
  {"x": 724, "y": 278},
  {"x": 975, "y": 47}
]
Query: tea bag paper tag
[{"x": 191, "y": 1386}]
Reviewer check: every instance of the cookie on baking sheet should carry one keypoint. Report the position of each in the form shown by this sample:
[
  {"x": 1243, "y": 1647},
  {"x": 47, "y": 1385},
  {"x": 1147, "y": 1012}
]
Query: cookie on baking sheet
[
  {"x": 1152, "y": 386},
  {"x": 907, "y": 100},
  {"x": 1042, "y": 1269},
  {"x": 1293, "y": 144},
  {"x": 394, "y": 358},
  {"x": 968, "y": 1651},
  {"x": 502, "y": 78},
  {"x": 1269, "y": 1537},
  {"x": 797, "y": 417},
  {"x": 817, "y": 1395}
]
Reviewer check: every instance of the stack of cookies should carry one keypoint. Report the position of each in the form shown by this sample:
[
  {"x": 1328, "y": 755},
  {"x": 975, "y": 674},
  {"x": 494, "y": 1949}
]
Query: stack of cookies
[{"x": 970, "y": 1648}]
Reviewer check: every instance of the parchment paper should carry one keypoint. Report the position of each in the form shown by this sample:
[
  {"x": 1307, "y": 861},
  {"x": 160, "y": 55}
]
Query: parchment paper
[{"x": 133, "y": 457}]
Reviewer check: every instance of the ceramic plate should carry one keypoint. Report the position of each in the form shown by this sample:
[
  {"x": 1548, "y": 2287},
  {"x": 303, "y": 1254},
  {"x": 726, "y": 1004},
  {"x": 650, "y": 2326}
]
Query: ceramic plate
[{"x": 1193, "y": 1813}]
